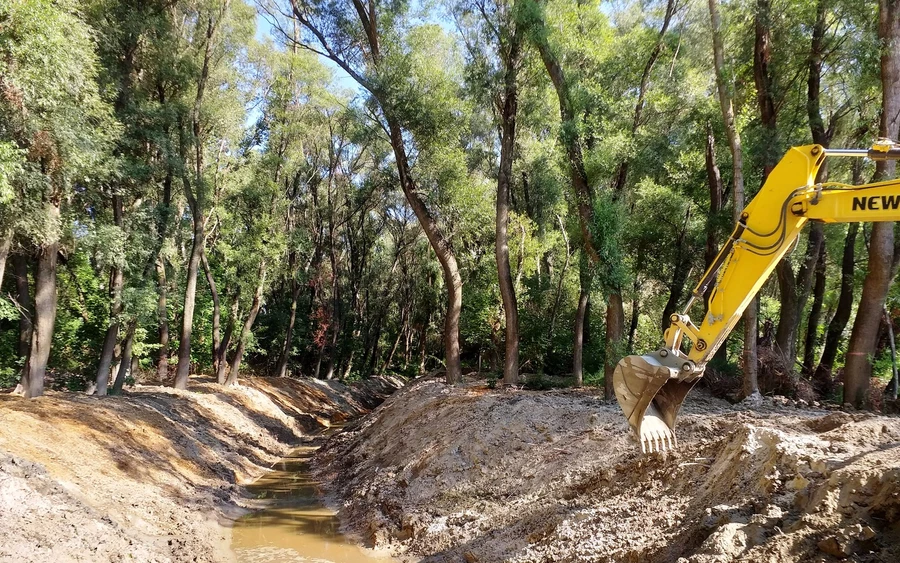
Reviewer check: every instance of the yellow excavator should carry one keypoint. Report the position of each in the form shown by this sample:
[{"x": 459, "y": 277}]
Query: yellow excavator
[{"x": 651, "y": 388}]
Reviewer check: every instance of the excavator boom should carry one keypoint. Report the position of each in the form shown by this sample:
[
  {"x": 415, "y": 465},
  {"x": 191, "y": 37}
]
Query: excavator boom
[{"x": 651, "y": 388}]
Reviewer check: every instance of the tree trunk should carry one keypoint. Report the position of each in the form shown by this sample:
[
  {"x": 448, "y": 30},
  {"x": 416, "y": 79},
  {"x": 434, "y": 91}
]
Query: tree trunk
[
  {"x": 615, "y": 332},
  {"x": 222, "y": 351},
  {"x": 423, "y": 342},
  {"x": 248, "y": 326},
  {"x": 190, "y": 294},
  {"x": 714, "y": 184},
  {"x": 281, "y": 369},
  {"x": 162, "y": 361},
  {"x": 795, "y": 292},
  {"x": 117, "y": 281},
  {"x": 125, "y": 363},
  {"x": 195, "y": 201},
  {"x": 404, "y": 317},
  {"x": 217, "y": 316},
  {"x": 23, "y": 296},
  {"x": 890, "y": 389},
  {"x": 811, "y": 343},
  {"x": 441, "y": 246},
  {"x": 6, "y": 236},
  {"x": 835, "y": 330},
  {"x": 635, "y": 315},
  {"x": 44, "y": 316},
  {"x": 858, "y": 368},
  {"x": 750, "y": 385},
  {"x": 504, "y": 179},
  {"x": 578, "y": 352},
  {"x": 679, "y": 275},
  {"x": 427, "y": 220},
  {"x": 554, "y": 312}
]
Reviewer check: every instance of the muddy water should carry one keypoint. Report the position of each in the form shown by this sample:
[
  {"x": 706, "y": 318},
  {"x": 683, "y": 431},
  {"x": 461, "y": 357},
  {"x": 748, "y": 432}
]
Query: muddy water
[{"x": 296, "y": 526}]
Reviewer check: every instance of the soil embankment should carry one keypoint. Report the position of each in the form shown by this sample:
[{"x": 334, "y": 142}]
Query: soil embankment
[
  {"x": 469, "y": 474},
  {"x": 153, "y": 475}
]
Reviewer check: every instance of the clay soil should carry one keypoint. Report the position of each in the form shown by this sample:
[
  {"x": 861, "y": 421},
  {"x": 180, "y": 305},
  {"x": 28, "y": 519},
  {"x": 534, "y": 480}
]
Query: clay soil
[
  {"x": 476, "y": 475},
  {"x": 156, "y": 474}
]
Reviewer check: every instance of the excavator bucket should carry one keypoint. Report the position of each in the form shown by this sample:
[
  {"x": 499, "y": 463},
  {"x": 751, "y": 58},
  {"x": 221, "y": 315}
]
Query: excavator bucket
[{"x": 650, "y": 394}]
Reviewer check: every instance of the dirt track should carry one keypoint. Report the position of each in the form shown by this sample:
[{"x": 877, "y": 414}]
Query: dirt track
[
  {"x": 152, "y": 475},
  {"x": 476, "y": 475}
]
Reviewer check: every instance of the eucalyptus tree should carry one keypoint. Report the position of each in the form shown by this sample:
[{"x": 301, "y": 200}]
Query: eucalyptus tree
[
  {"x": 883, "y": 257},
  {"x": 56, "y": 132},
  {"x": 494, "y": 37},
  {"x": 725, "y": 89},
  {"x": 219, "y": 30},
  {"x": 403, "y": 67}
]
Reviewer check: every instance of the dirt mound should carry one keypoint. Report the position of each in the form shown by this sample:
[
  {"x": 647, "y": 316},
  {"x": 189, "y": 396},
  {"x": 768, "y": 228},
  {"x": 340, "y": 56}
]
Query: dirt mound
[
  {"x": 152, "y": 475},
  {"x": 468, "y": 474}
]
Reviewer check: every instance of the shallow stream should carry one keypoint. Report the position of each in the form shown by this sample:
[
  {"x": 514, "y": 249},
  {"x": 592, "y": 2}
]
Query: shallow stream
[{"x": 296, "y": 526}]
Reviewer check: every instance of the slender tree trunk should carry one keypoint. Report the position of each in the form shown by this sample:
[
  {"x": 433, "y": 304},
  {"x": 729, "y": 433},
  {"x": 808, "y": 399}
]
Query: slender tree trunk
[
  {"x": 6, "y": 236},
  {"x": 835, "y": 330},
  {"x": 679, "y": 275},
  {"x": 615, "y": 332},
  {"x": 858, "y": 368},
  {"x": 162, "y": 361},
  {"x": 125, "y": 364},
  {"x": 578, "y": 352},
  {"x": 23, "y": 296},
  {"x": 404, "y": 319},
  {"x": 795, "y": 292},
  {"x": 248, "y": 326},
  {"x": 281, "y": 369},
  {"x": 441, "y": 246},
  {"x": 635, "y": 315},
  {"x": 436, "y": 238},
  {"x": 423, "y": 342},
  {"x": 195, "y": 201},
  {"x": 554, "y": 312},
  {"x": 117, "y": 281},
  {"x": 216, "y": 317},
  {"x": 714, "y": 184},
  {"x": 190, "y": 294},
  {"x": 811, "y": 343},
  {"x": 504, "y": 179},
  {"x": 891, "y": 389},
  {"x": 222, "y": 351},
  {"x": 44, "y": 316},
  {"x": 750, "y": 385}
]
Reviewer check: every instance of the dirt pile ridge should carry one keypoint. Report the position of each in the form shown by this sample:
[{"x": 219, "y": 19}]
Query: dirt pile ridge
[
  {"x": 152, "y": 475},
  {"x": 468, "y": 474}
]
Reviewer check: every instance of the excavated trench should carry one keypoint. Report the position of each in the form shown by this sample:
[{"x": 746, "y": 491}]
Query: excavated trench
[{"x": 295, "y": 525}]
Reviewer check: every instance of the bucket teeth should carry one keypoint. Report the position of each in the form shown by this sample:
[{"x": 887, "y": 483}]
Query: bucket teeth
[
  {"x": 650, "y": 393},
  {"x": 656, "y": 436}
]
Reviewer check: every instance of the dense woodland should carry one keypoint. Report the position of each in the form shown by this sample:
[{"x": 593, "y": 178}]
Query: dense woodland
[{"x": 525, "y": 189}]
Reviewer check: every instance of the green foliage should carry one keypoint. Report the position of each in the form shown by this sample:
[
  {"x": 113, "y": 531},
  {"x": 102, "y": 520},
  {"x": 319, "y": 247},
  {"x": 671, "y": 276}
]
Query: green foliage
[{"x": 296, "y": 177}]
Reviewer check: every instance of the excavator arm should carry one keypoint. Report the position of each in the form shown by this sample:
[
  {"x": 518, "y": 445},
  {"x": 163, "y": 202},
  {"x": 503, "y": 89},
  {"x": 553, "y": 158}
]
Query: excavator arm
[{"x": 651, "y": 388}]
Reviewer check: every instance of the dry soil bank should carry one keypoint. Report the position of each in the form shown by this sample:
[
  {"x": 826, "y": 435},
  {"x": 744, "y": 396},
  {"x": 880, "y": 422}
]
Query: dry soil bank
[
  {"x": 152, "y": 475},
  {"x": 468, "y": 474}
]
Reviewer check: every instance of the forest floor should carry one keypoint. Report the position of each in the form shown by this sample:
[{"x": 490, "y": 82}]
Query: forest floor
[
  {"x": 155, "y": 474},
  {"x": 470, "y": 474}
]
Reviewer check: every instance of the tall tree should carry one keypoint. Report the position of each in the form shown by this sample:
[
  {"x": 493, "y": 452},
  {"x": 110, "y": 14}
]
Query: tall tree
[
  {"x": 879, "y": 275},
  {"x": 52, "y": 126},
  {"x": 351, "y": 37},
  {"x": 751, "y": 386}
]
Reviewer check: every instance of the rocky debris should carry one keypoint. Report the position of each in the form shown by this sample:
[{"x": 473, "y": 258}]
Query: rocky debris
[{"x": 454, "y": 474}]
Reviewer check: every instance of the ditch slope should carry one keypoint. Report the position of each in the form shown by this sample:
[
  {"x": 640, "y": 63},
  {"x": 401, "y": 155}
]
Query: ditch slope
[
  {"x": 156, "y": 474},
  {"x": 476, "y": 475}
]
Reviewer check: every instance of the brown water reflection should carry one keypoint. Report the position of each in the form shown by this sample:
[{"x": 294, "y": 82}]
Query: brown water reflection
[{"x": 296, "y": 527}]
